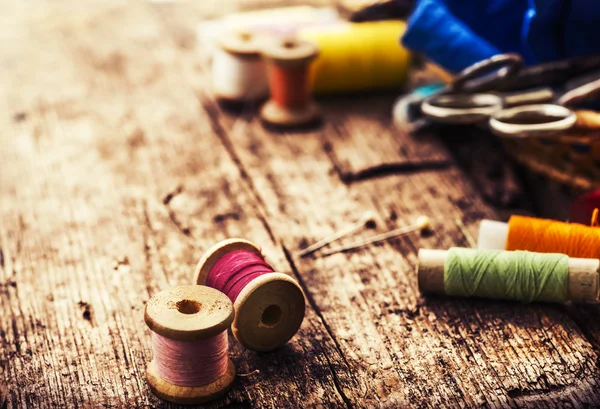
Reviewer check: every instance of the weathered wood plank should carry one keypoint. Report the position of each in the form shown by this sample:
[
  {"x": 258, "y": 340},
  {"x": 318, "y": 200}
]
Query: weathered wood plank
[
  {"x": 507, "y": 376},
  {"x": 483, "y": 158},
  {"x": 114, "y": 177},
  {"x": 368, "y": 128},
  {"x": 109, "y": 195},
  {"x": 435, "y": 351}
]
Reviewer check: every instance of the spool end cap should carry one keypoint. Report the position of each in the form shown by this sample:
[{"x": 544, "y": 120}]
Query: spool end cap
[
  {"x": 189, "y": 313},
  {"x": 276, "y": 115},
  {"x": 242, "y": 43},
  {"x": 269, "y": 312},
  {"x": 289, "y": 51}
]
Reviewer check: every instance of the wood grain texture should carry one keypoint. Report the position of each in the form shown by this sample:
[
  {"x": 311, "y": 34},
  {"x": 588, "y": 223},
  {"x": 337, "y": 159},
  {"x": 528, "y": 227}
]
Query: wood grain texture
[
  {"x": 118, "y": 169},
  {"x": 368, "y": 128},
  {"x": 435, "y": 351},
  {"x": 110, "y": 194}
]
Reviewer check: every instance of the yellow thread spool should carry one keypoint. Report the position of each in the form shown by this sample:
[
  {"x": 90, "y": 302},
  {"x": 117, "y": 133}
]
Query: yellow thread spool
[{"x": 358, "y": 56}]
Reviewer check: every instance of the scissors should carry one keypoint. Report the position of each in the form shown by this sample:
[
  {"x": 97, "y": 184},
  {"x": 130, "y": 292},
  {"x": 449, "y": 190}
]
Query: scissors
[{"x": 475, "y": 96}]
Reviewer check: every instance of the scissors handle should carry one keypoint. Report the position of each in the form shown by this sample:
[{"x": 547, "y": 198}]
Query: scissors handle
[
  {"x": 532, "y": 96},
  {"x": 554, "y": 73},
  {"x": 487, "y": 74},
  {"x": 461, "y": 108},
  {"x": 581, "y": 89},
  {"x": 537, "y": 121}
]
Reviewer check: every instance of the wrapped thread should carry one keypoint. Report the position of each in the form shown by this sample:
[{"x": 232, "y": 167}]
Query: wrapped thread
[
  {"x": 516, "y": 275},
  {"x": 551, "y": 236}
]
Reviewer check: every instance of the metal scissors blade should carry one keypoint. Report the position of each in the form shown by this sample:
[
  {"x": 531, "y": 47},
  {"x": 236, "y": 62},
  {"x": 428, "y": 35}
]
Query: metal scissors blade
[
  {"x": 547, "y": 119},
  {"x": 484, "y": 75},
  {"x": 474, "y": 108},
  {"x": 487, "y": 74}
]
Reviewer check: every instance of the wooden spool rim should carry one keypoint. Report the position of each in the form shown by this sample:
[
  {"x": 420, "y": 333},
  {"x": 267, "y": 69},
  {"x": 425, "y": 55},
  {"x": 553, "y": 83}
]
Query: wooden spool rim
[
  {"x": 289, "y": 51},
  {"x": 243, "y": 44},
  {"x": 430, "y": 270},
  {"x": 279, "y": 116},
  {"x": 187, "y": 395},
  {"x": 275, "y": 292},
  {"x": 189, "y": 313}
]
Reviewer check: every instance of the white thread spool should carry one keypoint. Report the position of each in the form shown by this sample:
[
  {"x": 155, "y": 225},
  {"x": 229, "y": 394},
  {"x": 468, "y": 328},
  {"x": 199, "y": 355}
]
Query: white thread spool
[
  {"x": 238, "y": 71},
  {"x": 492, "y": 235}
]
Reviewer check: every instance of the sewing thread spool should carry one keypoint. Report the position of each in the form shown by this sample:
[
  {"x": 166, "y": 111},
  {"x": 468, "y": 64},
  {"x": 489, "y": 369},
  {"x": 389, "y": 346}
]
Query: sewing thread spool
[
  {"x": 357, "y": 57},
  {"x": 512, "y": 275},
  {"x": 269, "y": 306},
  {"x": 238, "y": 72},
  {"x": 541, "y": 235},
  {"x": 189, "y": 336},
  {"x": 291, "y": 104}
]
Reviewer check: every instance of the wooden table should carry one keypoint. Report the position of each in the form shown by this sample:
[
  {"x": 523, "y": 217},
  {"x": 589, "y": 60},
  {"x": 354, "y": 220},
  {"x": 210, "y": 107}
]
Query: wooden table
[{"x": 117, "y": 169}]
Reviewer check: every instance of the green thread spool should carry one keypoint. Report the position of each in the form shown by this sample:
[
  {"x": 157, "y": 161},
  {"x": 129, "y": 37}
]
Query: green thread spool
[{"x": 509, "y": 275}]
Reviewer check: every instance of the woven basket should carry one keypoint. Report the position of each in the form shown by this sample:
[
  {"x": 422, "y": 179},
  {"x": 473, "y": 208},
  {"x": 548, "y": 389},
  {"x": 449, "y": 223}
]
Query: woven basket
[{"x": 572, "y": 158}]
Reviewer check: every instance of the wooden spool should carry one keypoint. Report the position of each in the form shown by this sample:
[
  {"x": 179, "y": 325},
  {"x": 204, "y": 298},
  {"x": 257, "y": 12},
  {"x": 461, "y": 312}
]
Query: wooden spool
[
  {"x": 189, "y": 313},
  {"x": 268, "y": 311},
  {"x": 243, "y": 44},
  {"x": 239, "y": 76},
  {"x": 582, "y": 285},
  {"x": 290, "y": 54}
]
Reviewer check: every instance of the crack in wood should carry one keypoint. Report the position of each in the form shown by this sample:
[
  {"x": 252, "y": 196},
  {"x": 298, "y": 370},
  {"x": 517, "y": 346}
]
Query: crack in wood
[
  {"x": 389, "y": 169},
  {"x": 221, "y": 217},
  {"x": 147, "y": 270},
  {"x": 87, "y": 311},
  {"x": 315, "y": 307},
  {"x": 583, "y": 328},
  {"x": 3, "y": 396},
  {"x": 542, "y": 394},
  {"x": 186, "y": 231},
  {"x": 169, "y": 196},
  {"x": 177, "y": 223},
  {"x": 213, "y": 116}
]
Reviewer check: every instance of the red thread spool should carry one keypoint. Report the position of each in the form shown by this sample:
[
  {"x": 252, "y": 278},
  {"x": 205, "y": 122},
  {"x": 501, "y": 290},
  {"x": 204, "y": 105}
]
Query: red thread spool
[
  {"x": 189, "y": 337},
  {"x": 269, "y": 306},
  {"x": 288, "y": 63}
]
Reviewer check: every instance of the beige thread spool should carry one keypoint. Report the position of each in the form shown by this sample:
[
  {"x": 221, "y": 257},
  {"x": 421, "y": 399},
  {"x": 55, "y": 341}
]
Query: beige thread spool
[
  {"x": 189, "y": 313},
  {"x": 582, "y": 284},
  {"x": 238, "y": 72},
  {"x": 268, "y": 311}
]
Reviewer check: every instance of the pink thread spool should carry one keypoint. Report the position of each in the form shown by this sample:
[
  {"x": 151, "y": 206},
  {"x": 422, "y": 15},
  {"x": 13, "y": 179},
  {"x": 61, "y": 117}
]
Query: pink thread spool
[
  {"x": 269, "y": 306},
  {"x": 189, "y": 337}
]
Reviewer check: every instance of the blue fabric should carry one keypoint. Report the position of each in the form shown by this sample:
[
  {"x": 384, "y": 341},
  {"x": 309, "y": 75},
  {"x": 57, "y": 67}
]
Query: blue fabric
[
  {"x": 434, "y": 31},
  {"x": 458, "y": 33},
  {"x": 560, "y": 29}
]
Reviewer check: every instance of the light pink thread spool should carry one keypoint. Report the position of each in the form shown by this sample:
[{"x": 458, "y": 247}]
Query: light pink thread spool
[
  {"x": 268, "y": 310},
  {"x": 189, "y": 337}
]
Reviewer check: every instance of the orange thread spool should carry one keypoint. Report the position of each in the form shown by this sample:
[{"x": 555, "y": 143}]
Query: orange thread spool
[
  {"x": 550, "y": 236},
  {"x": 288, "y": 63},
  {"x": 289, "y": 85}
]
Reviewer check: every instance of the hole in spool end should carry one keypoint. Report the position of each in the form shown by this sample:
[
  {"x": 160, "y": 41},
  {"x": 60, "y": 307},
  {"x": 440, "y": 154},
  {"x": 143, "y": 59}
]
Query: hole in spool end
[
  {"x": 245, "y": 36},
  {"x": 289, "y": 44},
  {"x": 188, "y": 306},
  {"x": 271, "y": 316}
]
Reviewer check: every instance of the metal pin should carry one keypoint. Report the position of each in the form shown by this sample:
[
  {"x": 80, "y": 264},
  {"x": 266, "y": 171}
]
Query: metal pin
[
  {"x": 421, "y": 223},
  {"x": 368, "y": 217}
]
